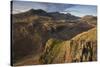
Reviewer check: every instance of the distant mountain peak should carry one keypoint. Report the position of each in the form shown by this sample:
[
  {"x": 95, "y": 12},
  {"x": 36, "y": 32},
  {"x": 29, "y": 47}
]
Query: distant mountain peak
[
  {"x": 69, "y": 14},
  {"x": 37, "y": 11},
  {"x": 31, "y": 10}
]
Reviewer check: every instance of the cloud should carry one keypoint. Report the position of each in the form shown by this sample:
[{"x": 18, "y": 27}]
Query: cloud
[
  {"x": 50, "y": 7},
  {"x": 57, "y": 7},
  {"x": 76, "y": 9}
]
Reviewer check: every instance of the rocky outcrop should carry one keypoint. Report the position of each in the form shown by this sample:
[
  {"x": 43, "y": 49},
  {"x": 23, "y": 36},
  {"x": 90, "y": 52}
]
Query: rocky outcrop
[
  {"x": 81, "y": 48},
  {"x": 84, "y": 47}
]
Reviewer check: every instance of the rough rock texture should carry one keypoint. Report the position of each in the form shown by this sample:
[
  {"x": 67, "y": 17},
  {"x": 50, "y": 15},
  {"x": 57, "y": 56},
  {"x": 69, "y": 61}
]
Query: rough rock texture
[
  {"x": 84, "y": 47},
  {"x": 81, "y": 48}
]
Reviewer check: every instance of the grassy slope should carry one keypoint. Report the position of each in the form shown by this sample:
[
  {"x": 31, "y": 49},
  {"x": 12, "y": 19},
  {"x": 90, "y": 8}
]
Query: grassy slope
[{"x": 88, "y": 35}]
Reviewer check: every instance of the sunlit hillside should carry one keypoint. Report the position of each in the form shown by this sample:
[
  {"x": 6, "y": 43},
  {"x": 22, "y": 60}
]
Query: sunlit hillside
[{"x": 82, "y": 47}]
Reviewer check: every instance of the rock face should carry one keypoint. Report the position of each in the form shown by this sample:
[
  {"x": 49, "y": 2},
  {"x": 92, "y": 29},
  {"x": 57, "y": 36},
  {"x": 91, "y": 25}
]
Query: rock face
[
  {"x": 81, "y": 48},
  {"x": 84, "y": 46}
]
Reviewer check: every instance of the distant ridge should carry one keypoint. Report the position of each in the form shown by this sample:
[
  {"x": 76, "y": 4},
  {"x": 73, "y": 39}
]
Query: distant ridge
[{"x": 40, "y": 12}]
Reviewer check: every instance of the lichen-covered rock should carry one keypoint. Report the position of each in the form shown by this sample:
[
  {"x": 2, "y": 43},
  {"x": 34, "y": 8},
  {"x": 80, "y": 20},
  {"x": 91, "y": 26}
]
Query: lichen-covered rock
[
  {"x": 84, "y": 47},
  {"x": 81, "y": 48}
]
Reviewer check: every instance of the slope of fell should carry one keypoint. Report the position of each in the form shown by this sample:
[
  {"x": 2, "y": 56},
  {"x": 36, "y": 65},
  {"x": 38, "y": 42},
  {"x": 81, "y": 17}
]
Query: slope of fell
[
  {"x": 84, "y": 46},
  {"x": 81, "y": 48}
]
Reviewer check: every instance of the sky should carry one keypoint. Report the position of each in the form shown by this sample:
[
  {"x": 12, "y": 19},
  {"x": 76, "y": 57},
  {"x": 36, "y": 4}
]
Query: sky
[{"x": 75, "y": 9}]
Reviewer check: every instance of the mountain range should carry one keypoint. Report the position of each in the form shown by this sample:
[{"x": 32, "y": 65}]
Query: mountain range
[{"x": 43, "y": 37}]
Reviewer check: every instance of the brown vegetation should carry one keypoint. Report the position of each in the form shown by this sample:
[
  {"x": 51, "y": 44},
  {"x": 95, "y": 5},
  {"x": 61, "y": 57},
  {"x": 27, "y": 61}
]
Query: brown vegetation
[{"x": 36, "y": 34}]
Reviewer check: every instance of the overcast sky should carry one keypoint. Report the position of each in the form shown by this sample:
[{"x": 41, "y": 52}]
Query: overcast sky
[{"x": 75, "y": 9}]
